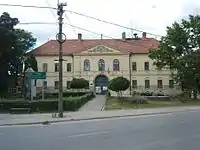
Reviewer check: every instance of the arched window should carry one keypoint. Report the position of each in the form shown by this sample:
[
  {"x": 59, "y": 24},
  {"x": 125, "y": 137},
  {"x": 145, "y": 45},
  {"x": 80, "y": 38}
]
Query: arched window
[
  {"x": 86, "y": 65},
  {"x": 116, "y": 65},
  {"x": 101, "y": 65}
]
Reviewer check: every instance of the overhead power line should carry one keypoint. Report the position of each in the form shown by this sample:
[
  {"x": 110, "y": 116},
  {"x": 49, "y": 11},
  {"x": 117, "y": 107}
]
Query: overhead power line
[
  {"x": 110, "y": 37},
  {"x": 29, "y": 6},
  {"x": 108, "y": 22},
  {"x": 73, "y": 28},
  {"x": 81, "y": 14},
  {"x": 47, "y": 2},
  {"x": 83, "y": 29},
  {"x": 37, "y": 23}
]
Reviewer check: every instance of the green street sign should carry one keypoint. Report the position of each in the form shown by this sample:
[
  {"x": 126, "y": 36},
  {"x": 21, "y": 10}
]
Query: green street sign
[{"x": 37, "y": 75}]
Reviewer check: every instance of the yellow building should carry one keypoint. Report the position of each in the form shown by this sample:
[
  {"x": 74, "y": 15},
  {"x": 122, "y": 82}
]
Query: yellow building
[{"x": 99, "y": 60}]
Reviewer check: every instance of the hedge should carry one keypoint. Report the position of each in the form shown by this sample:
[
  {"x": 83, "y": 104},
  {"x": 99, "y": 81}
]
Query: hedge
[
  {"x": 65, "y": 94},
  {"x": 69, "y": 104}
]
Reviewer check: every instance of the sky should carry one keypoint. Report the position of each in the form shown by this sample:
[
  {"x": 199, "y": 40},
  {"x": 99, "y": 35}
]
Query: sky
[{"x": 151, "y": 16}]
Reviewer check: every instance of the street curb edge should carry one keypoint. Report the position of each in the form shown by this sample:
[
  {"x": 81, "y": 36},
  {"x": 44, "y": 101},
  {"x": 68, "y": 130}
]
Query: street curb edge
[{"x": 92, "y": 118}]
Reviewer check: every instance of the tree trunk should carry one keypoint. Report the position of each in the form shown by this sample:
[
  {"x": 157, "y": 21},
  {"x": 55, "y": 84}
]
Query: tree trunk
[
  {"x": 122, "y": 101},
  {"x": 118, "y": 95}
]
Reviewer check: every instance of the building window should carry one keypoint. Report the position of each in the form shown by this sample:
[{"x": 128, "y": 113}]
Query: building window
[
  {"x": 101, "y": 64},
  {"x": 86, "y": 65},
  {"x": 45, "y": 84},
  {"x": 116, "y": 65},
  {"x": 147, "y": 84},
  {"x": 56, "y": 84},
  {"x": 44, "y": 67},
  {"x": 68, "y": 85},
  {"x": 134, "y": 84},
  {"x": 69, "y": 67},
  {"x": 134, "y": 66},
  {"x": 56, "y": 67},
  {"x": 159, "y": 84},
  {"x": 146, "y": 66},
  {"x": 171, "y": 84}
]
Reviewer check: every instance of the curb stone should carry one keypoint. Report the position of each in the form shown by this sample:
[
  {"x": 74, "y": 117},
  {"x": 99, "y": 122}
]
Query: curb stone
[{"x": 92, "y": 118}]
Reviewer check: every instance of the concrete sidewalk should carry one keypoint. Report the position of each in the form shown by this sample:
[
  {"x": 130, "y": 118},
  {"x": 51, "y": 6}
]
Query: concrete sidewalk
[
  {"x": 7, "y": 119},
  {"x": 97, "y": 104}
]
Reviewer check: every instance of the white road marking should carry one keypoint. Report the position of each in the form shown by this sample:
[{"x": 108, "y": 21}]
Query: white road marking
[{"x": 88, "y": 134}]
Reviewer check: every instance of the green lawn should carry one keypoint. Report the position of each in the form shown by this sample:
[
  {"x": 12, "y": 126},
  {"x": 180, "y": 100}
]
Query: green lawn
[{"x": 112, "y": 103}]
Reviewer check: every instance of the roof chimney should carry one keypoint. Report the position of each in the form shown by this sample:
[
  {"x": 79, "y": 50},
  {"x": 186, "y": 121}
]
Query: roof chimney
[
  {"x": 124, "y": 36},
  {"x": 135, "y": 36},
  {"x": 80, "y": 36},
  {"x": 144, "y": 35}
]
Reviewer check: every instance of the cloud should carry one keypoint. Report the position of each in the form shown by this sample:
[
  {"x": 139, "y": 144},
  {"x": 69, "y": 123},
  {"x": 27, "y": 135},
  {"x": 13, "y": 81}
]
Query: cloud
[{"x": 151, "y": 16}]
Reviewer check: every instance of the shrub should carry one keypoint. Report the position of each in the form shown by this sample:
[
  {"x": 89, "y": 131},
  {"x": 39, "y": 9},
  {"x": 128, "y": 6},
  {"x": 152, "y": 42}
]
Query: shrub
[
  {"x": 65, "y": 94},
  {"x": 69, "y": 104},
  {"x": 183, "y": 97},
  {"x": 118, "y": 85},
  {"x": 79, "y": 83},
  {"x": 44, "y": 105},
  {"x": 5, "y": 105},
  {"x": 74, "y": 103},
  {"x": 140, "y": 99}
]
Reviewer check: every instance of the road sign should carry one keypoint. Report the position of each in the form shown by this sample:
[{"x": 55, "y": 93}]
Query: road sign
[{"x": 37, "y": 75}]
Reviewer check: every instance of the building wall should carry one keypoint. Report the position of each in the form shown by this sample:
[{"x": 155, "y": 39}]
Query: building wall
[
  {"x": 78, "y": 70},
  {"x": 94, "y": 71}
]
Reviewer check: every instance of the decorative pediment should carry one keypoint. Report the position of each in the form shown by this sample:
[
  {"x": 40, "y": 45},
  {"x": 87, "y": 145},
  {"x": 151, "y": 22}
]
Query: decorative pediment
[{"x": 101, "y": 49}]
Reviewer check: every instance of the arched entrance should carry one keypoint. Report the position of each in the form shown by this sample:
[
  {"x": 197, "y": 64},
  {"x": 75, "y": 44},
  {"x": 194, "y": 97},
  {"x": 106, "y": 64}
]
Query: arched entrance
[{"x": 101, "y": 84}]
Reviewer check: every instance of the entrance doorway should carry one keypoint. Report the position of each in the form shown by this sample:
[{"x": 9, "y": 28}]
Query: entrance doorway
[{"x": 101, "y": 84}]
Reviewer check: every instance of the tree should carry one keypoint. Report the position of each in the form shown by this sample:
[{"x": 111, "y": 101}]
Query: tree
[
  {"x": 14, "y": 44},
  {"x": 30, "y": 61},
  {"x": 118, "y": 85},
  {"x": 179, "y": 51},
  {"x": 79, "y": 83}
]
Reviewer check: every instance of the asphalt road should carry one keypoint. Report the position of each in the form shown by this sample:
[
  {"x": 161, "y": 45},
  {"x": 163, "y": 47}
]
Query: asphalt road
[{"x": 179, "y": 131}]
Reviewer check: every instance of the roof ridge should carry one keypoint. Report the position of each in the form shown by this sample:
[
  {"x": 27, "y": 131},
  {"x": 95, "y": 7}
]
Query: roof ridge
[
  {"x": 104, "y": 39},
  {"x": 76, "y": 46}
]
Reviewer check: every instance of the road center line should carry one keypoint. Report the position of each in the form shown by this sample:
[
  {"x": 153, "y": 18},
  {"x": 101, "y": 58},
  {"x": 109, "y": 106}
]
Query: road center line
[{"x": 88, "y": 134}]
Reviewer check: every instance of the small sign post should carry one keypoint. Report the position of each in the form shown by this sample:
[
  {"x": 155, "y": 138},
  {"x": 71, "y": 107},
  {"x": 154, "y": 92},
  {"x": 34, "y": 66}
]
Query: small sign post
[{"x": 38, "y": 75}]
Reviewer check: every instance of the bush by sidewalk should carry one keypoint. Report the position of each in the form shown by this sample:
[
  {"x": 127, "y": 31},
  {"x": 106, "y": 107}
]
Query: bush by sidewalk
[
  {"x": 65, "y": 94},
  {"x": 74, "y": 103},
  {"x": 69, "y": 104}
]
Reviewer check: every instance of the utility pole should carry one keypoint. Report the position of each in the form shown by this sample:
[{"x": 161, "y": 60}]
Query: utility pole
[{"x": 60, "y": 40}]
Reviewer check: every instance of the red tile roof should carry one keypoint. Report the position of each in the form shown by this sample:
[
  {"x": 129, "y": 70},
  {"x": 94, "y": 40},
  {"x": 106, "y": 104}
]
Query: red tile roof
[{"x": 140, "y": 46}]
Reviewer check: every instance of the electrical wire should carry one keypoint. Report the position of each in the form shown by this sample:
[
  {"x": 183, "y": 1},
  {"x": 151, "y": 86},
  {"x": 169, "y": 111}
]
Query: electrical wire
[
  {"x": 83, "y": 29},
  {"x": 29, "y": 6},
  {"x": 75, "y": 31},
  {"x": 81, "y": 14},
  {"x": 47, "y": 2},
  {"x": 108, "y": 22}
]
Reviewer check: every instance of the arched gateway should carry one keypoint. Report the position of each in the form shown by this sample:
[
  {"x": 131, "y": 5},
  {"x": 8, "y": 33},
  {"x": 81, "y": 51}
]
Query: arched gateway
[{"x": 101, "y": 84}]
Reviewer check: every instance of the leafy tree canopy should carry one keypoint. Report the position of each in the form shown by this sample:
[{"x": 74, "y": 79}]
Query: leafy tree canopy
[
  {"x": 179, "y": 51},
  {"x": 79, "y": 83},
  {"x": 119, "y": 84},
  {"x": 14, "y": 44}
]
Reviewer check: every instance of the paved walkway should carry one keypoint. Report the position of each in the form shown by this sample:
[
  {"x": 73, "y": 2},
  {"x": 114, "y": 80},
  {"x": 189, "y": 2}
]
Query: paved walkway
[
  {"x": 24, "y": 119},
  {"x": 96, "y": 104}
]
